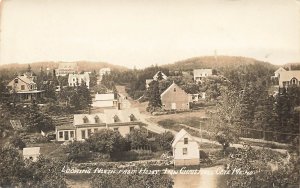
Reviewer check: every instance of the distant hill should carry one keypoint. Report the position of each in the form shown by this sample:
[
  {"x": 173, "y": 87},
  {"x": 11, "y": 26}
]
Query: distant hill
[
  {"x": 213, "y": 62},
  {"x": 83, "y": 66}
]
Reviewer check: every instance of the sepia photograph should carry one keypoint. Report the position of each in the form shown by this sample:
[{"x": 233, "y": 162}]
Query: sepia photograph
[{"x": 149, "y": 94}]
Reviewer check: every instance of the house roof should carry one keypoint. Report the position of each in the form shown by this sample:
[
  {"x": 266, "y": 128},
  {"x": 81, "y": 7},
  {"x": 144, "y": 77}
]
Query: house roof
[
  {"x": 105, "y": 97},
  {"x": 85, "y": 77},
  {"x": 148, "y": 81},
  {"x": 123, "y": 115},
  {"x": 280, "y": 70},
  {"x": 67, "y": 66},
  {"x": 156, "y": 75},
  {"x": 179, "y": 136},
  {"x": 78, "y": 118},
  {"x": 31, "y": 151},
  {"x": 288, "y": 75},
  {"x": 200, "y": 72},
  {"x": 107, "y": 116},
  {"x": 65, "y": 127},
  {"x": 169, "y": 88}
]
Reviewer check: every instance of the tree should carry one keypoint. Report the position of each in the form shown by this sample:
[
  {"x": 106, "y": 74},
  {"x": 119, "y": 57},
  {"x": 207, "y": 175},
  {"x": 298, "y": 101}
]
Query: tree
[
  {"x": 17, "y": 142},
  {"x": 36, "y": 121},
  {"x": 165, "y": 140},
  {"x": 137, "y": 139},
  {"x": 266, "y": 168},
  {"x": 227, "y": 118},
  {"x": 78, "y": 151},
  {"x": 154, "y": 100},
  {"x": 160, "y": 76},
  {"x": 106, "y": 141},
  {"x": 46, "y": 173},
  {"x": 12, "y": 167}
]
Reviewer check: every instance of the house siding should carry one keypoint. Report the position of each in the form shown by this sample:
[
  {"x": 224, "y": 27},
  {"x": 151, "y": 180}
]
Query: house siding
[{"x": 173, "y": 98}]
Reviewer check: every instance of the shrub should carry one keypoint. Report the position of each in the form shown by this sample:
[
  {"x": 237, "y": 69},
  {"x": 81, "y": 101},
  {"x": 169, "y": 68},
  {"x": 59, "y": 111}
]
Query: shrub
[
  {"x": 17, "y": 142},
  {"x": 78, "y": 151}
]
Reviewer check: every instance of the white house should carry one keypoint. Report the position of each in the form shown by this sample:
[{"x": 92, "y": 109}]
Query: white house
[
  {"x": 31, "y": 153},
  {"x": 185, "y": 149},
  {"x": 84, "y": 125},
  {"x": 288, "y": 78},
  {"x": 200, "y": 74},
  {"x": 24, "y": 87},
  {"x": 79, "y": 79},
  {"x": 105, "y": 100},
  {"x": 278, "y": 71},
  {"x": 155, "y": 77}
]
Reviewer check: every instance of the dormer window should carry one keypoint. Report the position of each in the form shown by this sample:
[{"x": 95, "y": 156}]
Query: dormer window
[
  {"x": 97, "y": 120},
  {"x": 85, "y": 119},
  {"x": 132, "y": 117},
  {"x": 116, "y": 119}
]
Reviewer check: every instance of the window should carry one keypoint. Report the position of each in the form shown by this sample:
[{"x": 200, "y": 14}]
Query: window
[
  {"x": 16, "y": 81},
  {"x": 85, "y": 120},
  {"x": 71, "y": 134},
  {"x": 31, "y": 86},
  {"x": 95, "y": 130},
  {"x": 116, "y": 129},
  {"x": 186, "y": 140},
  {"x": 131, "y": 129},
  {"x": 116, "y": 118},
  {"x": 89, "y": 131},
  {"x": 97, "y": 120},
  {"x": 184, "y": 151},
  {"x": 60, "y": 134},
  {"x": 174, "y": 89},
  {"x": 132, "y": 118},
  {"x": 83, "y": 134},
  {"x": 22, "y": 87}
]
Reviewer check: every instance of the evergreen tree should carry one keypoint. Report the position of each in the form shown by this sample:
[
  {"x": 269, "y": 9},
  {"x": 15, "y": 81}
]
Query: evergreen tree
[
  {"x": 154, "y": 100},
  {"x": 160, "y": 76}
]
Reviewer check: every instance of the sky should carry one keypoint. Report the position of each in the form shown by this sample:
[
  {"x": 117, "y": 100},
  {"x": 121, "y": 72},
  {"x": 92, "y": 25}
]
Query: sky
[{"x": 142, "y": 32}]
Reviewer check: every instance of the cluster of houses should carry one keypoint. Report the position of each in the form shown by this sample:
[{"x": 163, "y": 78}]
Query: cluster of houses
[{"x": 175, "y": 98}]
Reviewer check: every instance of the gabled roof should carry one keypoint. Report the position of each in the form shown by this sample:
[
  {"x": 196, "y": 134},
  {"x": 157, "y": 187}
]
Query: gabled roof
[
  {"x": 85, "y": 77},
  {"x": 202, "y": 72},
  {"x": 288, "y": 75},
  {"x": 123, "y": 115},
  {"x": 168, "y": 89},
  {"x": 280, "y": 70},
  {"x": 163, "y": 75},
  {"x": 31, "y": 151},
  {"x": 78, "y": 118},
  {"x": 180, "y": 135}
]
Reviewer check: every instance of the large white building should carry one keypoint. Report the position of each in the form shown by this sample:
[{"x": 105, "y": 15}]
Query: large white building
[
  {"x": 289, "y": 78},
  {"x": 185, "y": 149},
  {"x": 66, "y": 68},
  {"x": 78, "y": 79},
  {"x": 84, "y": 125}
]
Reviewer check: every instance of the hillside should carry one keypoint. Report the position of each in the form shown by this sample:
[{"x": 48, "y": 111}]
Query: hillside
[
  {"x": 215, "y": 62},
  {"x": 83, "y": 66}
]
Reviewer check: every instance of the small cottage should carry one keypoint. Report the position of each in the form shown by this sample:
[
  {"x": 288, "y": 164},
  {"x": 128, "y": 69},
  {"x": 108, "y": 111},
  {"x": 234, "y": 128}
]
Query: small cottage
[
  {"x": 31, "y": 153},
  {"x": 175, "y": 98},
  {"x": 185, "y": 149},
  {"x": 105, "y": 100},
  {"x": 200, "y": 74}
]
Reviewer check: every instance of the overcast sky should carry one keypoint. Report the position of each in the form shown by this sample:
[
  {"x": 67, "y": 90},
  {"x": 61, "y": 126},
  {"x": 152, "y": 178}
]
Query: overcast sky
[{"x": 145, "y": 32}]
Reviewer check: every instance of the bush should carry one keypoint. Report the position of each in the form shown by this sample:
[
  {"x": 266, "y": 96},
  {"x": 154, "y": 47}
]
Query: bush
[
  {"x": 167, "y": 123},
  {"x": 17, "y": 142},
  {"x": 78, "y": 151}
]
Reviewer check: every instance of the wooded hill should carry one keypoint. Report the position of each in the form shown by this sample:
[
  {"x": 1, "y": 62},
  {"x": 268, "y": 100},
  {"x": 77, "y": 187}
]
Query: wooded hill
[
  {"x": 213, "y": 62},
  {"x": 83, "y": 66}
]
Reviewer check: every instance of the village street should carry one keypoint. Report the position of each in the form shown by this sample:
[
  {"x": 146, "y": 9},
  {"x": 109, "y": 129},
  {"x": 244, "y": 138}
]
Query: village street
[{"x": 154, "y": 127}]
